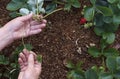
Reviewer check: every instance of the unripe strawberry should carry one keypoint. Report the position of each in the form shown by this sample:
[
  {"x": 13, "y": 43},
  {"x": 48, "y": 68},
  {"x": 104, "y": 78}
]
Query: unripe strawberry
[
  {"x": 84, "y": 6},
  {"x": 82, "y": 13},
  {"x": 86, "y": 25},
  {"x": 102, "y": 68},
  {"x": 90, "y": 24},
  {"x": 94, "y": 23},
  {"x": 94, "y": 68}
]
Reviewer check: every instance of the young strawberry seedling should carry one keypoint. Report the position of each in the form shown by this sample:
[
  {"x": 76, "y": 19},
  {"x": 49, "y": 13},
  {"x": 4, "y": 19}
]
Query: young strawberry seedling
[{"x": 35, "y": 7}]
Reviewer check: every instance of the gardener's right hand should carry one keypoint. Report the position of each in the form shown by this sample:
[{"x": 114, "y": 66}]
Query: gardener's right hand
[{"x": 30, "y": 67}]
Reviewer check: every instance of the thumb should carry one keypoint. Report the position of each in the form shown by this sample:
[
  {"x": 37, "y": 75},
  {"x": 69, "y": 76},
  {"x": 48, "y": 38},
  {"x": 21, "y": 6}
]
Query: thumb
[
  {"x": 26, "y": 17},
  {"x": 31, "y": 61}
]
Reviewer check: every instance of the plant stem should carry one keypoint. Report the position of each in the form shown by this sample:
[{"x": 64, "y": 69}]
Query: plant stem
[
  {"x": 59, "y": 2},
  {"x": 23, "y": 42},
  {"x": 103, "y": 62},
  {"x": 37, "y": 8},
  {"x": 103, "y": 59},
  {"x": 53, "y": 12}
]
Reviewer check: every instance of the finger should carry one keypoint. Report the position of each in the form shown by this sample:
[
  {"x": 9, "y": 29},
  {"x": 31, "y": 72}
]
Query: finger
[
  {"x": 39, "y": 67},
  {"x": 40, "y": 26},
  {"x": 44, "y": 21},
  {"x": 31, "y": 61},
  {"x": 35, "y": 56},
  {"x": 37, "y": 23},
  {"x": 36, "y": 62},
  {"x": 34, "y": 23},
  {"x": 39, "y": 64},
  {"x": 20, "y": 61},
  {"x": 33, "y": 32},
  {"x": 22, "y": 56},
  {"x": 21, "y": 75},
  {"x": 26, "y": 53},
  {"x": 26, "y": 17}
]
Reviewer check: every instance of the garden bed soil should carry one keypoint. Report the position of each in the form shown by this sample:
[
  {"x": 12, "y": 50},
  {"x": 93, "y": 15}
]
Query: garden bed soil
[{"x": 62, "y": 39}]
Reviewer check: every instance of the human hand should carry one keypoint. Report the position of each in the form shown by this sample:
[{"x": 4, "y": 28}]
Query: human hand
[
  {"x": 24, "y": 26},
  {"x": 30, "y": 68},
  {"x": 20, "y": 27}
]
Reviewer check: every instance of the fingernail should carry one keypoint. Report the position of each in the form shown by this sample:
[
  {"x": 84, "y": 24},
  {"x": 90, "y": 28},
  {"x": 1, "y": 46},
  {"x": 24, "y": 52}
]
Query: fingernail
[
  {"x": 24, "y": 49},
  {"x": 31, "y": 55}
]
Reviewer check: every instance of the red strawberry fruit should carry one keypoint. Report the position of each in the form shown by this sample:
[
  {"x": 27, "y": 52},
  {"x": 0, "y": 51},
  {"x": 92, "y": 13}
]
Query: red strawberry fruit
[{"x": 83, "y": 21}]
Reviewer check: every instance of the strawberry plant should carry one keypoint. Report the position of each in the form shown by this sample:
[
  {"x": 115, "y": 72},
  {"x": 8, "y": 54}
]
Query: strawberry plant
[
  {"x": 111, "y": 71},
  {"x": 71, "y": 3},
  {"x": 103, "y": 50},
  {"x": 68, "y": 4},
  {"x": 53, "y": 5},
  {"x": 105, "y": 16},
  {"x": 26, "y": 7},
  {"x": 36, "y": 7}
]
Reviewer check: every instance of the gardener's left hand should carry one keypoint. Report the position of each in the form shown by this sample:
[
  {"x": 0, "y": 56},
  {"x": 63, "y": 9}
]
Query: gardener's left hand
[
  {"x": 24, "y": 26},
  {"x": 30, "y": 67}
]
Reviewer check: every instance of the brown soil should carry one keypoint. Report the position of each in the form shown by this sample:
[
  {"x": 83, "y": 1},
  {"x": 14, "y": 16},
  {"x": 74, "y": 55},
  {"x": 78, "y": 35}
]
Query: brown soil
[{"x": 58, "y": 42}]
